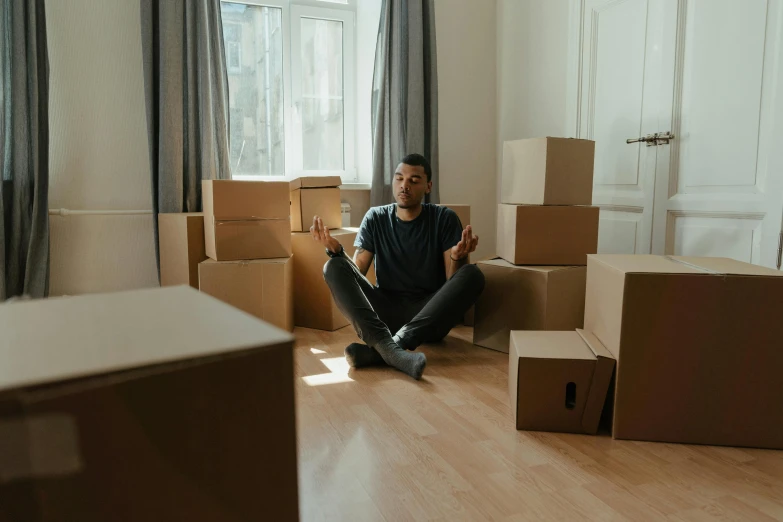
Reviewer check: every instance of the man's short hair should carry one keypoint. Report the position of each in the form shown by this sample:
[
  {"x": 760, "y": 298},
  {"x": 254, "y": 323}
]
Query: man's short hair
[{"x": 417, "y": 160}]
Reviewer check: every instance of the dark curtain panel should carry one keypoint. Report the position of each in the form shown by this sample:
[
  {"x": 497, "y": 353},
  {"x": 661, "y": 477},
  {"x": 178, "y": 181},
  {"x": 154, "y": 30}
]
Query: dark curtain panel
[
  {"x": 24, "y": 191},
  {"x": 405, "y": 93},
  {"x": 186, "y": 88}
]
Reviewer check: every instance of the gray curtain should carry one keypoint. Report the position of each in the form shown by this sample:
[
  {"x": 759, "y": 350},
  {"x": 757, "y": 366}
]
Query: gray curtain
[
  {"x": 186, "y": 88},
  {"x": 405, "y": 93},
  {"x": 24, "y": 191}
]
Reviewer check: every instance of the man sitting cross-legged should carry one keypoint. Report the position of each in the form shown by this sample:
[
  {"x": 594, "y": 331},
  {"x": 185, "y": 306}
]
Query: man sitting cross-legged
[{"x": 425, "y": 284}]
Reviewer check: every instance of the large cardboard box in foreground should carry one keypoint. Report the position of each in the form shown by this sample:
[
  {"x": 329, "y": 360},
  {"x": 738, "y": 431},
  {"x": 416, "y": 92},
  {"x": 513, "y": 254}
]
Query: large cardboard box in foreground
[
  {"x": 315, "y": 196},
  {"x": 314, "y": 306},
  {"x": 548, "y": 171},
  {"x": 157, "y": 404},
  {"x": 246, "y": 219},
  {"x": 527, "y": 298},
  {"x": 539, "y": 235},
  {"x": 260, "y": 287},
  {"x": 699, "y": 347},
  {"x": 558, "y": 381},
  {"x": 181, "y": 239}
]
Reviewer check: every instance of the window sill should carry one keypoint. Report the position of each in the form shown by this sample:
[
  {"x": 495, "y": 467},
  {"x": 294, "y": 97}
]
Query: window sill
[{"x": 355, "y": 186}]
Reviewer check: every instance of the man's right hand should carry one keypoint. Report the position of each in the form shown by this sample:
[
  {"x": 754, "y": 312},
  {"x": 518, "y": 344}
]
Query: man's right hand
[{"x": 321, "y": 234}]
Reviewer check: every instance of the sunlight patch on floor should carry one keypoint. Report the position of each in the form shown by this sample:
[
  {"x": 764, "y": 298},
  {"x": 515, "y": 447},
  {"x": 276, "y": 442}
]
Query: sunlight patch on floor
[{"x": 338, "y": 372}]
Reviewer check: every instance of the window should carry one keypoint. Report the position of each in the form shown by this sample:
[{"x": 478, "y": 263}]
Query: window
[{"x": 291, "y": 88}]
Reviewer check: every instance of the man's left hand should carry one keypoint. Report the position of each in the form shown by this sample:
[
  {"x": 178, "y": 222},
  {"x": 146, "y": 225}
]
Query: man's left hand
[{"x": 466, "y": 245}]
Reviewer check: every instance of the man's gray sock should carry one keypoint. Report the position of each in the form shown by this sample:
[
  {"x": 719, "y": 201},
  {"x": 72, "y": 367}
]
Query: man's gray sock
[
  {"x": 360, "y": 355},
  {"x": 411, "y": 363}
]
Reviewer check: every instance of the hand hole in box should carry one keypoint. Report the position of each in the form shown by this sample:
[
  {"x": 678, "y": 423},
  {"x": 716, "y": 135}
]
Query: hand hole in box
[{"x": 570, "y": 401}]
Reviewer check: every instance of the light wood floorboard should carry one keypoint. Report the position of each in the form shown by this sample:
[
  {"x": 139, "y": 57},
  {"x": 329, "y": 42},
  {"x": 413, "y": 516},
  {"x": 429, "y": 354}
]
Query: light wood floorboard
[{"x": 376, "y": 445}]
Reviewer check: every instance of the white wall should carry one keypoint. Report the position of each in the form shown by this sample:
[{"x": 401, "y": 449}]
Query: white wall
[
  {"x": 98, "y": 145},
  {"x": 467, "y": 107},
  {"x": 533, "y": 66},
  {"x": 533, "y": 63}
]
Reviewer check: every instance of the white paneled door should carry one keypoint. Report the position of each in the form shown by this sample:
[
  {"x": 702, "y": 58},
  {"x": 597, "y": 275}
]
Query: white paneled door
[{"x": 711, "y": 73}]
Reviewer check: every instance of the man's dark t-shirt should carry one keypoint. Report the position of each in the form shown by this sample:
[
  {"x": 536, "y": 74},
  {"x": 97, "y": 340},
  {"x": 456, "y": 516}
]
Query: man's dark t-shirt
[{"x": 409, "y": 254}]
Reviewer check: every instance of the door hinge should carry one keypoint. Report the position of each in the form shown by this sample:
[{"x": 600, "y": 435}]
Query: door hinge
[{"x": 780, "y": 248}]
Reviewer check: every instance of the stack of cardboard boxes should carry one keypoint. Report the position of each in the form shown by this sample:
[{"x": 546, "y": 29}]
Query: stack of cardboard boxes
[
  {"x": 314, "y": 306},
  {"x": 238, "y": 249},
  {"x": 247, "y": 228},
  {"x": 546, "y": 227},
  {"x": 697, "y": 347},
  {"x": 674, "y": 349}
]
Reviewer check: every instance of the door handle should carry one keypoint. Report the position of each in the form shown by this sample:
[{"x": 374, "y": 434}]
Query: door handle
[{"x": 653, "y": 140}]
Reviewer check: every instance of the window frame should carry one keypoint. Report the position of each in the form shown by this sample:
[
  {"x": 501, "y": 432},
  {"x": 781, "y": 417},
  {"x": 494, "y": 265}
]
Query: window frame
[
  {"x": 347, "y": 18},
  {"x": 292, "y": 12}
]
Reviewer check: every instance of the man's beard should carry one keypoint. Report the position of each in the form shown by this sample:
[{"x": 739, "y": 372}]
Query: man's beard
[{"x": 410, "y": 202}]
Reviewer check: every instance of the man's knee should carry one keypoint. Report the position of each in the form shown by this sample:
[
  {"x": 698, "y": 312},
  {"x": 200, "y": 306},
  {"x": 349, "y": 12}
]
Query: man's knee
[
  {"x": 335, "y": 266},
  {"x": 473, "y": 275}
]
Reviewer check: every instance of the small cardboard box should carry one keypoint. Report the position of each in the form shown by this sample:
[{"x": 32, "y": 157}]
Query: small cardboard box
[
  {"x": 699, "y": 347},
  {"x": 181, "y": 239},
  {"x": 315, "y": 196},
  {"x": 558, "y": 381},
  {"x": 548, "y": 171},
  {"x": 260, "y": 287},
  {"x": 246, "y": 219},
  {"x": 540, "y": 235},
  {"x": 155, "y": 404},
  {"x": 527, "y": 298},
  {"x": 314, "y": 306}
]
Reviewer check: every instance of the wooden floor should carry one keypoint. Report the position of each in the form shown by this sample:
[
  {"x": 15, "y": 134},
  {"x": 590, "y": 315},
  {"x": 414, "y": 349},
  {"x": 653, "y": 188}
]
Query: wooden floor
[{"x": 376, "y": 445}]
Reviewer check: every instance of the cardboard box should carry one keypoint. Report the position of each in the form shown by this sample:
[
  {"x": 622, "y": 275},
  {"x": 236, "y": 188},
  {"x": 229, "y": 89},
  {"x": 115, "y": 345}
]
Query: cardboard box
[
  {"x": 539, "y": 235},
  {"x": 698, "y": 343},
  {"x": 558, "y": 381},
  {"x": 548, "y": 171},
  {"x": 307, "y": 203},
  {"x": 527, "y": 298},
  {"x": 155, "y": 404},
  {"x": 181, "y": 240},
  {"x": 261, "y": 287},
  {"x": 314, "y": 306},
  {"x": 246, "y": 219}
]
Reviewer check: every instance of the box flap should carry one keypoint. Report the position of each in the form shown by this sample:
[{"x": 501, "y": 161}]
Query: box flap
[
  {"x": 56, "y": 339},
  {"x": 315, "y": 181},
  {"x": 496, "y": 261},
  {"x": 599, "y": 385},
  {"x": 550, "y": 345},
  {"x": 653, "y": 264}
]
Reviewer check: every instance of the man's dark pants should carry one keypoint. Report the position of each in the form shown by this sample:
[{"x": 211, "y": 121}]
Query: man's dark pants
[{"x": 376, "y": 314}]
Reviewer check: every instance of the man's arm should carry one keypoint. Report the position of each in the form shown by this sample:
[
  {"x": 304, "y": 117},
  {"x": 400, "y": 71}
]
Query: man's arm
[
  {"x": 451, "y": 264},
  {"x": 363, "y": 260},
  {"x": 457, "y": 256}
]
